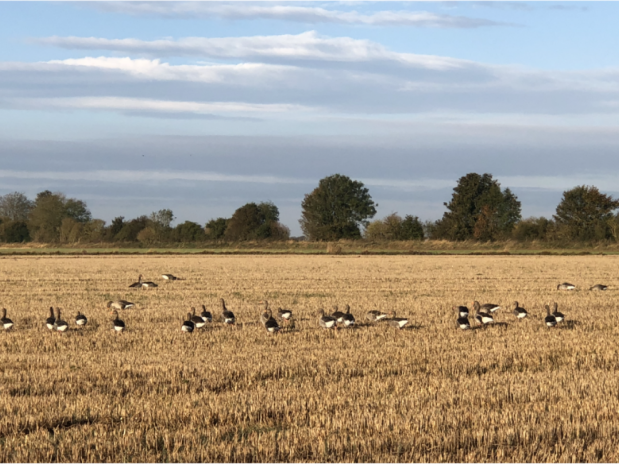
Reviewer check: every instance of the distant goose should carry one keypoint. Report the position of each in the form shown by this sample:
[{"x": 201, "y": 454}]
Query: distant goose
[
  {"x": 349, "y": 319},
  {"x": 80, "y": 320},
  {"x": 375, "y": 316},
  {"x": 481, "y": 317},
  {"x": 270, "y": 324},
  {"x": 265, "y": 314},
  {"x": 284, "y": 314},
  {"x": 119, "y": 326},
  {"x": 490, "y": 308},
  {"x": 326, "y": 322},
  {"x": 170, "y": 277},
  {"x": 566, "y": 286},
  {"x": 599, "y": 287},
  {"x": 228, "y": 316},
  {"x": 188, "y": 325},
  {"x": 550, "y": 320},
  {"x": 462, "y": 321},
  {"x": 338, "y": 315},
  {"x": 51, "y": 320},
  {"x": 463, "y": 311},
  {"x": 206, "y": 315},
  {"x": 120, "y": 304},
  {"x": 59, "y": 324},
  {"x": 558, "y": 316},
  {"x": 397, "y": 322},
  {"x": 197, "y": 320},
  {"x": 143, "y": 284},
  {"x": 519, "y": 312},
  {"x": 6, "y": 322}
]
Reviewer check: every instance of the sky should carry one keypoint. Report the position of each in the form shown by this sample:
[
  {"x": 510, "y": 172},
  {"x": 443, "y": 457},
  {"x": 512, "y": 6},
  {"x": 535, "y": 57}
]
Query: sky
[{"x": 201, "y": 107}]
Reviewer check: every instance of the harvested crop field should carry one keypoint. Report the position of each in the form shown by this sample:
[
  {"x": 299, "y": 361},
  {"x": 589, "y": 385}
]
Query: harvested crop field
[{"x": 511, "y": 392}]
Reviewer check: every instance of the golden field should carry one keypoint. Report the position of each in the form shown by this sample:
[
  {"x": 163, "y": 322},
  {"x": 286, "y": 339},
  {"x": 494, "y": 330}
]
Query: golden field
[{"x": 513, "y": 392}]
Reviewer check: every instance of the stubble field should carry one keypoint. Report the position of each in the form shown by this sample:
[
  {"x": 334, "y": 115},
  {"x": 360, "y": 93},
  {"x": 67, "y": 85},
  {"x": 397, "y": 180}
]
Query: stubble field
[{"x": 514, "y": 392}]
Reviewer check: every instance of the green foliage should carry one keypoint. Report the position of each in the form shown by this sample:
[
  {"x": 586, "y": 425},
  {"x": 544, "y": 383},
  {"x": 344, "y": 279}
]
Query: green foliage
[
  {"x": 14, "y": 232},
  {"x": 336, "y": 209},
  {"x": 393, "y": 227},
  {"x": 253, "y": 221},
  {"x": 585, "y": 213},
  {"x": 148, "y": 236},
  {"x": 534, "y": 229},
  {"x": 188, "y": 232},
  {"x": 411, "y": 228},
  {"x": 115, "y": 227},
  {"x": 216, "y": 228},
  {"x": 162, "y": 219},
  {"x": 15, "y": 207},
  {"x": 131, "y": 229},
  {"x": 49, "y": 211},
  {"x": 478, "y": 209}
]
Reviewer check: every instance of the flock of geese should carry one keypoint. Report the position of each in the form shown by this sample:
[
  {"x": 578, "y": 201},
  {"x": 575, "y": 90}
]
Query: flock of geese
[{"x": 483, "y": 315}]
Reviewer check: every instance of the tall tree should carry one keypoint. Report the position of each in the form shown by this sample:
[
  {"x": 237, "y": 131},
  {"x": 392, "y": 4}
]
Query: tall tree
[
  {"x": 15, "y": 206},
  {"x": 216, "y": 228},
  {"x": 478, "y": 209},
  {"x": 336, "y": 209},
  {"x": 585, "y": 213},
  {"x": 253, "y": 221},
  {"x": 50, "y": 209}
]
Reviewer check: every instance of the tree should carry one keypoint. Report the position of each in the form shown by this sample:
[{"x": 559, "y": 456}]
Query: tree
[
  {"x": 131, "y": 229},
  {"x": 253, "y": 221},
  {"x": 336, "y": 209},
  {"x": 478, "y": 209},
  {"x": 15, "y": 206},
  {"x": 534, "y": 229},
  {"x": 188, "y": 232},
  {"x": 162, "y": 218},
  {"x": 411, "y": 228},
  {"x": 585, "y": 213},
  {"x": 393, "y": 227},
  {"x": 216, "y": 228},
  {"x": 115, "y": 227},
  {"x": 50, "y": 209},
  {"x": 14, "y": 232}
]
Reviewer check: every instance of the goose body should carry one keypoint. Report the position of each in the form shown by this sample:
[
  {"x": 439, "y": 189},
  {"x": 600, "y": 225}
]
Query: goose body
[
  {"x": 284, "y": 314},
  {"x": 228, "y": 316},
  {"x": 397, "y": 322},
  {"x": 348, "y": 319},
  {"x": 170, "y": 277},
  {"x": 337, "y": 315},
  {"x": 119, "y": 326},
  {"x": 375, "y": 316},
  {"x": 482, "y": 317},
  {"x": 490, "y": 308},
  {"x": 599, "y": 287},
  {"x": 51, "y": 320},
  {"x": 463, "y": 323},
  {"x": 80, "y": 320},
  {"x": 197, "y": 320},
  {"x": 143, "y": 283},
  {"x": 560, "y": 317},
  {"x": 59, "y": 324},
  {"x": 549, "y": 320},
  {"x": 120, "y": 304},
  {"x": 463, "y": 317},
  {"x": 519, "y": 312},
  {"x": 7, "y": 324},
  {"x": 566, "y": 286},
  {"x": 206, "y": 315},
  {"x": 325, "y": 321},
  {"x": 463, "y": 311},
  {"x": 188, "y": 325}
]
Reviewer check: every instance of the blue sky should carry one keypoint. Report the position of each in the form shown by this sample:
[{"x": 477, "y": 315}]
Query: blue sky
[{"x": 203, "y": 106}]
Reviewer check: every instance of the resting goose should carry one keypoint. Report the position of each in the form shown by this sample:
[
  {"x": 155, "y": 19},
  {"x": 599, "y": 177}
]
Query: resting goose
[
  {"x": 326, "y": 322},
  {"x": 480, "y": 316},
  {"x": 519, "y": 312},
  {"x": 119, "y": 326},
  {"x": 489, "y": 308},
  {"x": 6, "y": 322},
  {"x": 566, "y": 286},
  {"x": 228, "y": 316},
  {"x": 80, "y": 320},
  {"x": 375, "y": 316},
  {"x": 188, "y": 325},
  {"x": 558, "y": 316},
  {"x": 120, "y": 304},
  {"x": 463, "y": 320},
  {"x": 206, "y": 315},
  {"x": 59, "y": 324},
  {"x": 143, "y": 284},
  {"x": 337, "y": 315},
  {"x": 197, "y": 320},
  {"x": 170, "y": 277},
  {"x": 349, "y": 319},
  {"x": 397, "y": 322},
  {"x": 599, "y": 287},
  {"x": 550, "y": 320},
  {"x": 284, "y": 314},
  {"x": 51, "y": 320},
  {"x": 463, "y": 311}
]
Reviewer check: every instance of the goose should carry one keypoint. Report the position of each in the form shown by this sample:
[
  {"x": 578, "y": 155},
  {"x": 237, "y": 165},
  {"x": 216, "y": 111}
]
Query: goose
[
  {"x": 463, "y": 311},
  {"x": 599, "y": 287},
  {"x": 482, "y": 317},
  {"x": 338, "y": 315},
  {"x": 188, "y": 325},
  {"x": 197, "y": 320},
  {"x": 326, "y": 322},
  {"x": 490, "y": 308},
  {"x": 119, "y": 326},
  {"x": 284, "y": 314},
  {"x": 550, "y": 320},
  {"x": 558, "y": 316},
  {"x": 463, "y": 320},
  {"x": 228, "y": 316},
  {"x": 59, "y": 324},
  {"x": 566, "y": 286},
  {"x": 265, "y": 314},
  {"x": 143, "y": 284},
  {"x": 170, "y": 277},
  {"x": 120, "y": 304},
  {"x": 80, "y": 320},
  {"x": 206, "y": 315},
  {"x": 349, "y": 319},
  {"x": 51, "y": 320},
  {"x": 375, "y": 316},
  {"x": 6, "y": 322},
  {"x": 270, "y": 324},
  {"x": 519, "y": 312},
  {"x": 397, "y": 322}
]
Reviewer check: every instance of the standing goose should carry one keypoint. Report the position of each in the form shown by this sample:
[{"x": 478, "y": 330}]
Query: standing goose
[
  {"x": 188, "y": 325},
  {"x": 51, "y": 320},
  {"x": 480, "y": 316},
  {"x": 197, "y": 320},
  {"x": 519, "y": 312},
  {"x": 80, "y": 320},
  {"x": 59, "y": 324},
  {"x": 284, "y": 314},
  {"x": 463, "y": 320},
  {"x": 566, "y": 286},
  {"x": 397, "y": 322},
  {"x": 490, "y": 308},
  {"x": 599, "y": 287},
  {"x": 338, "y": 315},
  {"x": 143, "y": 284},
  {"x": 349, "y": 319},
  {"x": 326, "y": 322},
  {"x": 463, "y": 311},
  {"x": 550, "y": 320},
  {"x": 6, "y": 322},
  {"x": 558, "y": 316},
  {"x": 228, "y": 316},
  {"x": 270, "y": 324},
  {"x": 170, "y": 277},
  {"x": 265, "y": 314},
  {"x": 206, "y": 315},
  {"x": 120, "y": 304},
  {"x": 119, "y": 326},
  {"x": 375, "y": 316}
]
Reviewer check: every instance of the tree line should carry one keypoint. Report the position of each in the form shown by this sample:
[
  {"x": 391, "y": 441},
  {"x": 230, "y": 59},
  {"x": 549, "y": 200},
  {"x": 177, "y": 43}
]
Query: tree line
[{"x": 338, "y": 208}]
